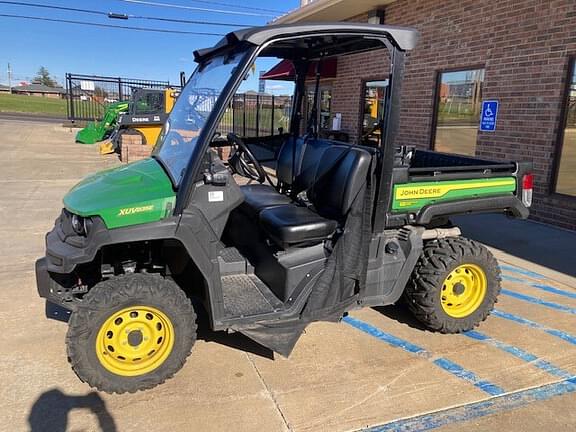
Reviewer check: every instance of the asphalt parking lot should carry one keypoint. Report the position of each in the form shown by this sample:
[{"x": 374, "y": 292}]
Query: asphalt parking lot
[{"x": 377, "y": 370}]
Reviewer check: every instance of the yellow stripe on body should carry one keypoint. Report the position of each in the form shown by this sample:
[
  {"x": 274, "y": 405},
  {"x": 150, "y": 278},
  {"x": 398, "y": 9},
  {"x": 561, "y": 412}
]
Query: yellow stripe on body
[{"x": 439, "y": 190}]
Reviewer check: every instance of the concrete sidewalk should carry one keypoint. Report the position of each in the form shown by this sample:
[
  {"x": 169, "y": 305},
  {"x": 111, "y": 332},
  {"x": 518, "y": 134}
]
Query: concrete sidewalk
[{"x": 544, "y": 245}]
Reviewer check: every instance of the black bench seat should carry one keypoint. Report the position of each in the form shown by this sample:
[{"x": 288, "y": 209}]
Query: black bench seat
[
  {"x": 330, "y": 173},
  {"x": 257, "y": 197},
  {"x": 291, "y": 224}
]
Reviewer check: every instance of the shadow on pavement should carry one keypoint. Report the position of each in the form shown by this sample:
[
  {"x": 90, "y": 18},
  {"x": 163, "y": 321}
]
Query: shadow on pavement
[
  {"x": 233, "y": 340},
  {"x": 541, "y": 244},
  {"x": 400, "y": 313},
  {"x": 50, "y": 411}
]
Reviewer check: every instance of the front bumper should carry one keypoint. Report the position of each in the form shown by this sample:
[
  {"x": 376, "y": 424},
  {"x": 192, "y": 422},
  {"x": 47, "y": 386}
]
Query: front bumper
[
  {"x": 65, "y": 249},
  {"x": 53, "y": 287}
]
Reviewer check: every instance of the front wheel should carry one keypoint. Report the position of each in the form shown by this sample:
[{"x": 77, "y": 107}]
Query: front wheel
[
  {"x": 131, "y": 333},
  {"x": 454, "y": 285}
]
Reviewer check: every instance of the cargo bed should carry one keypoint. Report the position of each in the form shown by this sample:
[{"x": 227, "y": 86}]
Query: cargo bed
[{"x": 429, "y": 185}]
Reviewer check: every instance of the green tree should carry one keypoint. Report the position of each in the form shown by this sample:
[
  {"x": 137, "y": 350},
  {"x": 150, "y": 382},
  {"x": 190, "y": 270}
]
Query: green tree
[
  {"x": 43, "y": 77},
  {"x": 99, "y": 91}
]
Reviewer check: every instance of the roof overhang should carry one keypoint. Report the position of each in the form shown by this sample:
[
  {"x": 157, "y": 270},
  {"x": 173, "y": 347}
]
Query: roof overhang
[
  {"x": 403, "y": 37},
  {"x": 331, "y": 10}
]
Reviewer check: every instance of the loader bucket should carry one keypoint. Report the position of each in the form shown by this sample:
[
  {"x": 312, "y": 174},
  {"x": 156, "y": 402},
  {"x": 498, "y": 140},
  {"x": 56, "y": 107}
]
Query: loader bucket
[
  {"x": 91, "y": 134},
  {"x": 97, "y": 131}
]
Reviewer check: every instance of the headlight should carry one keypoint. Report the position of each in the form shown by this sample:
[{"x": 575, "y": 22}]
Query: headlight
[{"x": 79, "y": 225}]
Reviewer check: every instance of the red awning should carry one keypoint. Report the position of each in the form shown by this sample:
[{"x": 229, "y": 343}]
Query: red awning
[{"x": 284, "y": 71}]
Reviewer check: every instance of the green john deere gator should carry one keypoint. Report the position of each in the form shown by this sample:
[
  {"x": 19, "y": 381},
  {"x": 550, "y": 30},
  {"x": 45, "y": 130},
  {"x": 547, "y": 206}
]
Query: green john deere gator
[{"x": 339, "y": 227}]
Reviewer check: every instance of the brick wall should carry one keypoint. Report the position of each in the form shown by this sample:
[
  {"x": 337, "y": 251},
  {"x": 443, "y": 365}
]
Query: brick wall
[
  {"x": 524, "y": 46},
  {"x": 132, "y": 149}
]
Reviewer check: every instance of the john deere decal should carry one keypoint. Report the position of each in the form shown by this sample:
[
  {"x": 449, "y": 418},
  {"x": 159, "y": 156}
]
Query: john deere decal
[{"x": 410, "y": 196}]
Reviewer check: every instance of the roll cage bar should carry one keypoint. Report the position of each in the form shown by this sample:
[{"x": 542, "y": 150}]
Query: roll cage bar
[{"x": 303, "y": 43}]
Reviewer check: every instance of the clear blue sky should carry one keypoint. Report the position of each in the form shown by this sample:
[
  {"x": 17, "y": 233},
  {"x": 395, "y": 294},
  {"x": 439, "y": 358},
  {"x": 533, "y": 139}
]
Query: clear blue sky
[{"x": 62, "y": 48}]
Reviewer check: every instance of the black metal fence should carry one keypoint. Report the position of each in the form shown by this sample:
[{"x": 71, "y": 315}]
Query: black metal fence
[
  {"x": 257, "y": 115},
  {"x": 89, "y": 95},
  {"x": 248, "y": 115}
]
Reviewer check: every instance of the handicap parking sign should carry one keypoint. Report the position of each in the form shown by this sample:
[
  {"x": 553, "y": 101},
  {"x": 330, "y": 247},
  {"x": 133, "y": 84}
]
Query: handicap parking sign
[{"x": 488, "y": 115}]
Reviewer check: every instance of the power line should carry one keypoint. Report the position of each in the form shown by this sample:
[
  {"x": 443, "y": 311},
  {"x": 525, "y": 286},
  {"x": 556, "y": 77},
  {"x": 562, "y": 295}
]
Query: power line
[
  {"x": 236, "y": 6},
  {"x": 183, "y": 21},
  {"x": 15, "y": 3},
  {"x": 122, "y": 16},
  {"x": 194, "y": 8},
  {"x": 109, "y": 25}
]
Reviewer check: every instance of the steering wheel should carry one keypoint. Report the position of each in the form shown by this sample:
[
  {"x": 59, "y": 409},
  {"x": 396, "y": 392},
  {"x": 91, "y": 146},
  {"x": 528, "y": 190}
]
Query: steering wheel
[{"x": 243, "y": 161}]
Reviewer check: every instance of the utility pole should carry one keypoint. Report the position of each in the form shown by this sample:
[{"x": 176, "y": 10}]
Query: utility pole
[{"x": 9, "y": 78}]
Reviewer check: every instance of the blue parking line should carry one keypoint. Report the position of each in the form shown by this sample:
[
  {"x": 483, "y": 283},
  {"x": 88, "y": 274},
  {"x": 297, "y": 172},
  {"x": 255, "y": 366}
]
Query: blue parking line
[
  {"x": 532, "y": 324},
  {"x": 475, "y": 410},
  {"x": 554, "y": 290},
  {"x": 460, "y": 372},
  {"x": 520, "y": 353},
  {"x": 521, "y": 271},
  {"x": 443, "y": 363},
  {"x": 386, "y": 337},
  {"x": 515, "y": 279},
  {"x": 538, "y": 301},
  {"x": 540, "y": 286}
]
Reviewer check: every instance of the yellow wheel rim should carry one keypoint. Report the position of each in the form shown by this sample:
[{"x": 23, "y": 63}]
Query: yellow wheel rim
[
  {"x": 134, "y": 341},
  {"x": 463, "y": 290}
]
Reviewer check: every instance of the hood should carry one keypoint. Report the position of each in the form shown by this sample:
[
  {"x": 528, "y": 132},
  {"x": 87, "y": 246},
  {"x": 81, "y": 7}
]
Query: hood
[{"x": 136, "y": 193}]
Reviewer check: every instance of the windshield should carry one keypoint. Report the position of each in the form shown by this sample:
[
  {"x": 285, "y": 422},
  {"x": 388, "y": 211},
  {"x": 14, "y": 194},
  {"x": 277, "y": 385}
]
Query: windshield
[{"x": 190, "y": 113}]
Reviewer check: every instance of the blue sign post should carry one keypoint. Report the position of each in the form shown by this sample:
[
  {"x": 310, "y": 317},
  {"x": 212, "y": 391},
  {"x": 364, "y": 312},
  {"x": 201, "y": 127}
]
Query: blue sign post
[{"x": 488, "y": 115}]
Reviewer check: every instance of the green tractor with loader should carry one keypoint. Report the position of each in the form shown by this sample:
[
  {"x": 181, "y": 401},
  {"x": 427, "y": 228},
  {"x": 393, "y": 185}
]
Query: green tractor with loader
[
  {"x": 97, "y": 131},
  {"x": 140, "y": 251}
]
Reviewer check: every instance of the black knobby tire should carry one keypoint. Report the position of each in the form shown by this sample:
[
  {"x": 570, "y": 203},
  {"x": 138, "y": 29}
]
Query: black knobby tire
[
  {"x": 424, "y": 290},
  {"x": 110, "y": 296}
]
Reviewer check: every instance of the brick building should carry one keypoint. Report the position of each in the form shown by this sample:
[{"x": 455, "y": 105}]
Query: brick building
[
  {"x": 519, "y": 52},
  {"x": 40, "y": 90}
]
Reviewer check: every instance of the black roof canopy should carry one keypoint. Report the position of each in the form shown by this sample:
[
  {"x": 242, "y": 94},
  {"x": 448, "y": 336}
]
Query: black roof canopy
[{"x": 403, "y": 38}]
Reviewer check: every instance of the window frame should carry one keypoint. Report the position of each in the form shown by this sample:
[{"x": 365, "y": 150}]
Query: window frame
[
  {"x": 363, "y": 83},
  {"x": 325, "y": 84},
  {"x": 559, "y": 144},
  {"x": 436, "y": 100}
]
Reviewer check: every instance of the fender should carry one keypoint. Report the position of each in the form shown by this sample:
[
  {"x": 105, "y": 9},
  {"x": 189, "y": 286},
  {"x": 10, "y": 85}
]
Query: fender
[{"x": 192, "y": 230}]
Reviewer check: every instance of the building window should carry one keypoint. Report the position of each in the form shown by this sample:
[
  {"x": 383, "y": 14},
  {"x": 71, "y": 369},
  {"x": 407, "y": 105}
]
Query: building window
[
  {"x": 374, "y": 106},
  {"x": 566, "y": 180},
  {"x": 323, "y": 108},
  {"x": 459, "y": 96}
]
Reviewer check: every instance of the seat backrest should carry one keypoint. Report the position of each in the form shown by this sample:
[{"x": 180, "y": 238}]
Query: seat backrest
[
  {"x": 341, "y": 173},
  {"x": 330, "y": 172},
  {"x": 291, "y": 147},
  {"x": 308, "y": 153}
]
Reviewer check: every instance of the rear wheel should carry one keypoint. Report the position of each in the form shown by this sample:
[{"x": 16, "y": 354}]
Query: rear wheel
[
  {"x": 131, "y": 333},
  {"x": 454, "y": 285}
]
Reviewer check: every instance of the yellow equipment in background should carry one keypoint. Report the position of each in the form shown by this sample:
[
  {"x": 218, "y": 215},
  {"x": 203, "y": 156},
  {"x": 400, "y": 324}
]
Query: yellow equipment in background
[{"x": 146, "y": 115}]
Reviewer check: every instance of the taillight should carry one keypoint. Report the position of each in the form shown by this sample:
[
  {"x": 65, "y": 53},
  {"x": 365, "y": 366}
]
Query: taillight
[{"x": 527, "y": 186}]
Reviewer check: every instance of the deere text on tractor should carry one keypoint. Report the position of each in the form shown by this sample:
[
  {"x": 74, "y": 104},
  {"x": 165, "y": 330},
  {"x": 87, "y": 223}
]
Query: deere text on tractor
[{"x": 342, "y": 227}]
